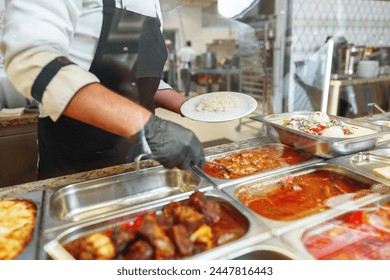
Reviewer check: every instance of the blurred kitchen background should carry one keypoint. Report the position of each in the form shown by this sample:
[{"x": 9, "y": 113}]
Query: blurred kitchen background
[{"x": 275, "y": 51}]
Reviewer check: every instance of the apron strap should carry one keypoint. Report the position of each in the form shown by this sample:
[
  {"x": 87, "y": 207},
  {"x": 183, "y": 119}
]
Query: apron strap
[{"x": 109, "y": 4}]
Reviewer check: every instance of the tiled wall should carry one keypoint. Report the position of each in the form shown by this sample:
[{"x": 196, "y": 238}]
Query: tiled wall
[
  {"x": 2, "y": 20},
  {"x": 361, "y": 22},
  {"x": 2, "y": 15}
]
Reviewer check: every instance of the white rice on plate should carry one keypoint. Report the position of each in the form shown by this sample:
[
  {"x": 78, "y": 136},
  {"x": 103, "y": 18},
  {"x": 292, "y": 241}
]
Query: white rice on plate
[{"x": 221, "y": 102}]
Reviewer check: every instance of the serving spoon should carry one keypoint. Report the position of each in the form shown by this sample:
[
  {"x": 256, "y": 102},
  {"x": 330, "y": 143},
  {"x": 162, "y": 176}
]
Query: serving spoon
[{"x": 224, "y": 167}]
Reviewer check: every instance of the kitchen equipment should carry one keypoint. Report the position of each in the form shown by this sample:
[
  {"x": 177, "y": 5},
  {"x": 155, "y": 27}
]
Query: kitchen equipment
[
  {"x": 55, "y": 238},
  {"x": 345, "y": 56},
  {"x": 209, "y": 60},
  {"x": 364, "y": 163},
  {"x": 326, "y": 147},
  {"x": 353, "y": 56},
  {"x": 224, "y": 167},
  {"x": 101, "y": 196},
  {"x": 270, "y": 249},
  {"x": 368, "y": 69},
  {"x": 371, "y": 107},
  {"x": 367, "y": 156}
]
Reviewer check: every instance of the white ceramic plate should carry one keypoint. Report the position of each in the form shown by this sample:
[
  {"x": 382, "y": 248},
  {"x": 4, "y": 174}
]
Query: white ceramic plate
[{"x": 246, "y": 105}]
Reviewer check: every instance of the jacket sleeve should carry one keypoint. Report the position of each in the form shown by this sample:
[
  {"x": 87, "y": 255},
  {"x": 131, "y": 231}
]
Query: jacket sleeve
[
  {"x": 163, "y": 85},
  {"x": 36, "y": 41}
]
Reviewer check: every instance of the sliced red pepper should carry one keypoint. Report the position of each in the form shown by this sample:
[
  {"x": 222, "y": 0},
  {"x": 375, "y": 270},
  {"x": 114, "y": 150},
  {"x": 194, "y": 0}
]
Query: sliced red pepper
[
  {"x": 133, "y": 225},
  {"x": 356, "y": 218},
  {"x": 319, "y": 129},
  {"x": 137, "y": 222},
  {"x": 109, "y": 232},
  {"x": 347, "y": 132}
]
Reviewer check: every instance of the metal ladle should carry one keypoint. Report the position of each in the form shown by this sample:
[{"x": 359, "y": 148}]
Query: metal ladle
[
  {"x": 224, "y": 167},
  {"x": 138, "y": 161},
  {"x": 371, "y": 107}
]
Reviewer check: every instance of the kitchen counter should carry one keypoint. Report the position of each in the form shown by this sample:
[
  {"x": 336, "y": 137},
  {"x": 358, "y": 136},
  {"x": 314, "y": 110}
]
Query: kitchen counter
[
  {"x": 53, "y": 222},
  {"x": 26, "y": 118},
  {"x": 35, "y": 190},
  {"x": 219, "y": 71},
  {"x": 114, "y": 170},
  {"x": 16, "y": 190},
  {"x": 19, "y": 151},
  {"x": 336, "y": 86}
]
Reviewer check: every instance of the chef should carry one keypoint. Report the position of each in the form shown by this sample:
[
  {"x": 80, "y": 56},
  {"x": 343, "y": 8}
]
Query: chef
[{"x": 95, "y": 68}]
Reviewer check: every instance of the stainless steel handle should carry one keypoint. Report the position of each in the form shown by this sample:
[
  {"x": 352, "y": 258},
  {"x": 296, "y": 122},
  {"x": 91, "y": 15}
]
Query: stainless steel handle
[
  {"x": 367, "y": 155},
  {"x": 371, "y": 107},
  {"x": 56, "y": 251}
]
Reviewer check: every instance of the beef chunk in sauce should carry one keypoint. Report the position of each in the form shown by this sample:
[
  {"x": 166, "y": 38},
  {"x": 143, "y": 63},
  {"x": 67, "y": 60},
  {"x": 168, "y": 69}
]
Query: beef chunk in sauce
[
  {"x": 150, "y": 229},
  {"x": 139, "y": 250},
  {"x": 210, "y": 209},
  {"x": 165, "y": 222},
  {"x": 198, "y": 199},
  {"x": 182, "y": 240},
  {"x": 211, "y": 212},
  {"x": 121, "y": 239},
  {"x": 189, "y": 217},
  {"x": 182, "y": 229},
  {"x": 170, "y": 208}
]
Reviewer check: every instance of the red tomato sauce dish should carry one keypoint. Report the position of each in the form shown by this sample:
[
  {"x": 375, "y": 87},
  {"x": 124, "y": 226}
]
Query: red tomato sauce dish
[
  {"x": 299, "y": 196},
  {"x": 255, "y": 161}
]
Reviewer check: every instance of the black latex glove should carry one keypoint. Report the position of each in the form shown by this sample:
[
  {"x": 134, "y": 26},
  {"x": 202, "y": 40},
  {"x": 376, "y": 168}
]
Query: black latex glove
[{"x": 173, "y": 145}]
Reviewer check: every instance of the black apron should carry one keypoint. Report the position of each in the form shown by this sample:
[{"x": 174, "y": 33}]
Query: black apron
[{"x": 129, "y": 60}]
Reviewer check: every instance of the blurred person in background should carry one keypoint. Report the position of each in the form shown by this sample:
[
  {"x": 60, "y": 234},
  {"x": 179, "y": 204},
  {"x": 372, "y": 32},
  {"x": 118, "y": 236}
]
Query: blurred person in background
[
  {"x": 98, "y": 81},
  {"x": 187, "y": 56},
  {"x": 169, "y": 66}
]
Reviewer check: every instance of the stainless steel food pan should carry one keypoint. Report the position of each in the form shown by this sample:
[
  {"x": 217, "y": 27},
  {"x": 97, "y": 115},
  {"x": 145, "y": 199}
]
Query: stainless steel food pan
[
  {"x": 365, "y": 162},
  {"x": 382, "y": 122},
  {"x": 220, "y": 183},
  {"x": 261, "y": 185},
  {"x": 384, "y": 140},
  {"x": 98, "y": 197},
  {"x": 295, "y": 237},
  {"x": 270, "y": 249},
  {"x": 31, "y": 252},
  {"x": 326, "y": 147},
  {"x": 53, "y": 240}
]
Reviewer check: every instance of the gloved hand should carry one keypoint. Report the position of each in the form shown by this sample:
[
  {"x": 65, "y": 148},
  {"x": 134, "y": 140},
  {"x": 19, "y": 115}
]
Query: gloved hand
[{"x": 173, "y": 145}]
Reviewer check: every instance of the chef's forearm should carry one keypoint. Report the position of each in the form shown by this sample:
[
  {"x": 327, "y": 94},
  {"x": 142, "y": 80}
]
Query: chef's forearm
[
  {"x": 100, "y": 107},
  {"x": 169, "y": 99}
]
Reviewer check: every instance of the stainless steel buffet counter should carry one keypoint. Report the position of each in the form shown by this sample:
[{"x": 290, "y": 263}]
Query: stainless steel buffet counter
[{"x": 78, "y": 204}]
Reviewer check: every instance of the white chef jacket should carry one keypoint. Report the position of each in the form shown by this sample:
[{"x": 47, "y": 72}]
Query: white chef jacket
[
  {"x": 36, "y": 32},
  {"x": 187, "y": 55}
]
